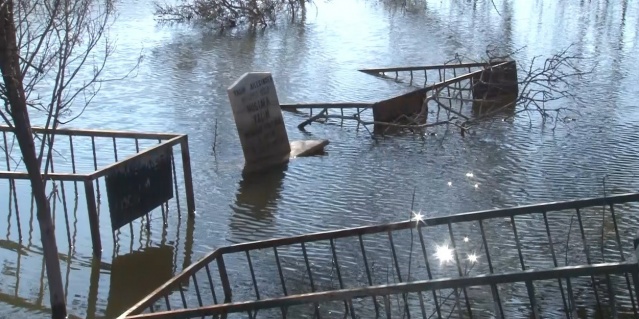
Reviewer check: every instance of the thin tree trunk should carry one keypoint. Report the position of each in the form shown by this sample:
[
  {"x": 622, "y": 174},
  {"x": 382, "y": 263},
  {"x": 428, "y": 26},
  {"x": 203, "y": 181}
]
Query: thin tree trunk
[{"x": 10, "y": 67}]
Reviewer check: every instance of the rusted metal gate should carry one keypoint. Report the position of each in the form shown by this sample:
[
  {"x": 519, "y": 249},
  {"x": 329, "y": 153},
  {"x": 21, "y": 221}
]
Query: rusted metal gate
[{"x": 561, "y": 259}]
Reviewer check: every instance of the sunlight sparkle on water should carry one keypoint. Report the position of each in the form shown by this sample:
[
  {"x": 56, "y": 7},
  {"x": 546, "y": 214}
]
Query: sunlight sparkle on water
[
  {"x": 469, "y": 174},
  {"x": 418, "y": 217},
  {"x": 466, "y": 239},
  {"x": 476, "y": 185},
  {"x": 472, "y": 258},
  {"x": 444, "y": 254}
]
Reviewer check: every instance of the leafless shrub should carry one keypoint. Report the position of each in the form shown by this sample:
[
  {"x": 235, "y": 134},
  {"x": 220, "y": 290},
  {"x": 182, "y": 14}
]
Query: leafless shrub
[
  {"x": 230, "y": 13},
  {"x": 543, "y": 85},
  {"x": 52, "y": 57}
]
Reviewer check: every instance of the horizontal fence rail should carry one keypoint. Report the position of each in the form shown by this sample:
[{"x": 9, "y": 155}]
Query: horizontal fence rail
[
  {"x": 419, "y": 287},
  {"x": 535, "y": 239},
  {"x": 78, "y": 157},
  {"x": 426, "y": 67}
]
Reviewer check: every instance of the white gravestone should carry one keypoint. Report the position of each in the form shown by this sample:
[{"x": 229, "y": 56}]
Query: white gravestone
[{"x": 259, "y": 121}]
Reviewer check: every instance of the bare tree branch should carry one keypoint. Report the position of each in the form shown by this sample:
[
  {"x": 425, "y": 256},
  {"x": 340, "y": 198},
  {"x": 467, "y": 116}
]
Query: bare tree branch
[{"x": 230, "y": 13}]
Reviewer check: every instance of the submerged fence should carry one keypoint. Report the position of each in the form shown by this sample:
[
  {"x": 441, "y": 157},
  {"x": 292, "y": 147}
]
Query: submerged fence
[
  {"x": 561, "y": 259},
  {"x": 490, "y": 88},
  {"x": 78, "y": 162}
]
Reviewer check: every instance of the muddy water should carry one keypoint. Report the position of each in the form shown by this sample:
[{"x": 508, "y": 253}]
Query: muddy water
[{"x": 180, "y": 87}]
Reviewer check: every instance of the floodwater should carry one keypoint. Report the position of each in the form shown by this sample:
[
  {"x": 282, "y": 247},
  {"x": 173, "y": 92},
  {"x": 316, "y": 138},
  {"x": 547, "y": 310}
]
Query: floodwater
[{"x": 181, "y": 87}]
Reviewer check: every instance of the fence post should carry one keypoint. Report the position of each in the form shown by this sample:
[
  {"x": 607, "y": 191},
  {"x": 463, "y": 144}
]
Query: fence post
[
  {"x": 188, "y": 178},
  {"x": 94, "y": 222}
]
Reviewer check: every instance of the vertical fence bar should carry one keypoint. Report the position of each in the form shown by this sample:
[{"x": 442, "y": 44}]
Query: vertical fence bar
[
  {"x": 308, "y": 267},
  {"x": 399, "y": 273},
  {"x": 533, "y": 299},
  {"x": 12, "y": 186},
  {"x": 613, "y": 299},
  {"x": 347, "y": 305},
  {"x": 281, "y": 274},
  {"x": 310, "y": 276},
  {"x": 165, "y": 210},
  {"x": 617, "y": 238},
  {"x": 421, "y": 304},
  {"x": 279, "y": 271},
  {"x": 197, "y": 290},
  {"x": 64, "y": 207},
  {"x": 95, "y": 163},
  {"x": 461, "y": 274},
  {"x": 115, "y": 149},
  {"x": 93, "y": 217},
  {"x": 571, "y": 298},
  {"x": 6, "y": 150},
  {"x": 588, "y": 260},
  {"x": 73, "y": 169},
  {"x": 623, "y": 258},
  {"x": 208, "y": 274},
  {"x": 188, "y": 178},
  {"x": 521, "y": 255},
  {"x": 387, "y": 307},
  {"x": 368, "y": 272},
  {"x": 554, "y": 260},
  {"x": 167, "y": 302},
  {"x": 493, "y": 287},
  {"x": 182, "y": 295},
  {"x": 224, "y": 279},
  {"x": 425, "y": 78},
  {"x": 146, "y": 216},
  {"x": 428, "y": 271},
  {"x": 635, "y": 280},
  {"x": 175, "y": 184},
  {"x": 250, "y": 264}
]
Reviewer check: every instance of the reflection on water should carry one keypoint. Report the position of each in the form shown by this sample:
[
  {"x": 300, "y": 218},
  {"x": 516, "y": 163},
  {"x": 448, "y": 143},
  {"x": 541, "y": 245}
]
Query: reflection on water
[
  {"x": 137, "y": 274},
  {"x": 256, "y": 204},
  {"x": 182, "y": 84}
]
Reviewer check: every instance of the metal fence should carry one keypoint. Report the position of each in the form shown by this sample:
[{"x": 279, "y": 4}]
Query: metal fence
[
  {"x": 445, "y": 90},
  {"x": 563, "y": 259},
  {"x": 81, "y": 163}
]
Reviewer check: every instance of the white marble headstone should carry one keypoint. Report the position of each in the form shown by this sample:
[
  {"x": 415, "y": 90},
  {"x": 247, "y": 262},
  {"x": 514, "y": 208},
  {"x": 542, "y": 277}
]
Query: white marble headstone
[{"x": 259, "y": 121}]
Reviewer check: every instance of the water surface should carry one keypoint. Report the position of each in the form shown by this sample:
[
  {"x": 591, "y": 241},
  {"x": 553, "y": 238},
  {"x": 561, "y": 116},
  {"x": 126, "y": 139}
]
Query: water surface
[{"x": 181, "y": 87}]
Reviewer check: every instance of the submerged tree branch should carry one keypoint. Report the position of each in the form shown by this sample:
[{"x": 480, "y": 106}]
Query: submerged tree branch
[{"x": 230, "y": 13}]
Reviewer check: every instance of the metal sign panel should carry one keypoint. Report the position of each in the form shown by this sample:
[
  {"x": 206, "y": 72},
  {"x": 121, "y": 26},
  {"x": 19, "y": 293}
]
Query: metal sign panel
[{"x": 138, "y": 186}]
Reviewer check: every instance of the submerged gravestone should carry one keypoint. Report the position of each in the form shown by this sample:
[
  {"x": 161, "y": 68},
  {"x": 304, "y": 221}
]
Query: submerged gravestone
[{"x": 259, "y": 121}]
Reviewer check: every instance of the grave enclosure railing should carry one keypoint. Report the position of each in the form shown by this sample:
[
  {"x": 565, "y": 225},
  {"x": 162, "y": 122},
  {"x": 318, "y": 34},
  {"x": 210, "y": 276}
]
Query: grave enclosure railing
[
  {"x": 491, "y": 88},
  {"x": 67, "y": 137},
  {"x": 521, "y": 253}
]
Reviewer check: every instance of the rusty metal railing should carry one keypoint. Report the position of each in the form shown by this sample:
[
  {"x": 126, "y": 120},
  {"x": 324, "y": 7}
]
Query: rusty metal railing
[
  {"x": 432, "y": 74},
  {"x": 490, "y": 88},
  {"x": 66, "y": 167},
  {"x": 537, "y": 249},
  {"x": 418, "y": 304}
]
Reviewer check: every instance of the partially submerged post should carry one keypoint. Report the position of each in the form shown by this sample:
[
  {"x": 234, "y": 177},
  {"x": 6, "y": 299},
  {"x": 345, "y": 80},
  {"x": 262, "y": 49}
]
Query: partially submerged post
[{"x": 260, "y": 125}]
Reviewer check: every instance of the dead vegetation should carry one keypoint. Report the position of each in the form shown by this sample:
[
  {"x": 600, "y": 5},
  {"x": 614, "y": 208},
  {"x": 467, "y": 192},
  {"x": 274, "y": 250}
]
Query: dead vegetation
[
  {"x": 52, "y": 58},
  {"x": 230, "y": 13}
]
